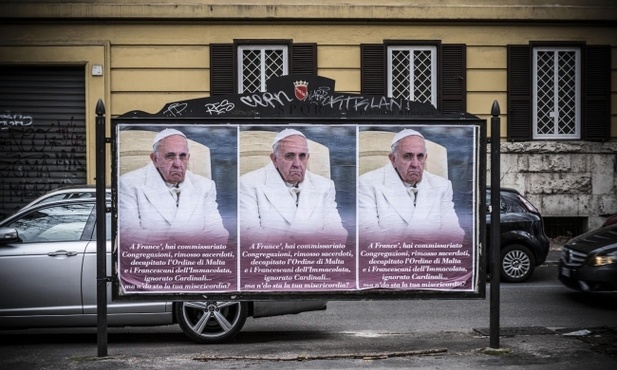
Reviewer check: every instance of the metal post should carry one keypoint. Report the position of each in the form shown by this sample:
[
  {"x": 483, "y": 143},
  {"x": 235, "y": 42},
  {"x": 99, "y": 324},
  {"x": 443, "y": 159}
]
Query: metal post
[
  {"x": 101, "y": 239},
  {"x": 495, "y": 227}
]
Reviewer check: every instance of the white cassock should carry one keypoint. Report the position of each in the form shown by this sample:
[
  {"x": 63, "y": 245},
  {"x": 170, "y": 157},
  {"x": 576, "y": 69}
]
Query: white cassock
[
  {"x": 148, "y": 211},
  {"x": 268, "y": 212},
  {"x": 386, "y": 210}
]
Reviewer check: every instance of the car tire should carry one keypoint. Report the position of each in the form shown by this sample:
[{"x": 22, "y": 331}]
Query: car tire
[
  {"x": 211, "y": 322},
  {"x": 517, "y": 263}
]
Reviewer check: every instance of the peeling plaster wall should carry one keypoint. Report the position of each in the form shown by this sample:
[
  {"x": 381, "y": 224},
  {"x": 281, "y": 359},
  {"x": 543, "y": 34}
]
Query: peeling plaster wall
[{"x": 562, "y": 179}]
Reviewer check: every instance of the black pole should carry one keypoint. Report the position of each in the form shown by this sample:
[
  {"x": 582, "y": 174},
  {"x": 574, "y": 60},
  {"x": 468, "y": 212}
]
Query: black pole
[
  {"x": 495, "y": 229},
  {"x": 101, "y": 239}
]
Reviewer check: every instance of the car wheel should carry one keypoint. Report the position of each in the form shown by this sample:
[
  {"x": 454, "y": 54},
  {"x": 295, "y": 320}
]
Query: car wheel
[
  {"x": 517, "y": 263},
  {"x": 211, "y": 322}
]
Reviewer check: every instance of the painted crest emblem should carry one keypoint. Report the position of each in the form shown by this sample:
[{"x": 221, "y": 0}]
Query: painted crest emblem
[{"x": 301, "y": 89}]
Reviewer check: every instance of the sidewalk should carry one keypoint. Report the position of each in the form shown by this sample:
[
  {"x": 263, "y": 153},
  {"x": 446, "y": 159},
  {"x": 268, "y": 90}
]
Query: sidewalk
[{"x": 520, "y": 348}]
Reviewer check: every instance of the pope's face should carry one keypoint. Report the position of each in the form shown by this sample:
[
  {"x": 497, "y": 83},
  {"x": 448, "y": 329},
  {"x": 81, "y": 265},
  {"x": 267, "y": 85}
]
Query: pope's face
[
  {"x": 171, "y": 158},
  {"x": 409, "y": 159},
  {"x": 291, "y": 158}
]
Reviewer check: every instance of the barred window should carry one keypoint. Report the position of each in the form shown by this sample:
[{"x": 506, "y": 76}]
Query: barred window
[
  {"x": 412, "y": 73},
  {"x": 556, "y": 93},
  {"x": 258, "y": 63}
]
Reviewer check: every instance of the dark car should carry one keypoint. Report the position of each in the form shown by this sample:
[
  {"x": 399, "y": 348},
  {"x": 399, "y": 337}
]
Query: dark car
[
  {"x": 588, "y": 262},
  {"x": 48, "y": 273},
  {"x": 524, "y": 245}
]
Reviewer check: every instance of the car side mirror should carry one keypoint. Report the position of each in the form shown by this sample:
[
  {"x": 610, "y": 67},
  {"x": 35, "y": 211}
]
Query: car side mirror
[{"x": 9, "y": 235}]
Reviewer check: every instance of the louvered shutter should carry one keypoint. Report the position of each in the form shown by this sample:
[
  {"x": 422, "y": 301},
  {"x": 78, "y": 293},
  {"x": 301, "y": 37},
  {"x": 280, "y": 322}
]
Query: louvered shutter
[
  {"x": 597, "y": 116},
  {"x": 42, "y": 132},
  {"x": 452, "y": 78},
  {"x": 304, "y": 58},
  {"x": 519, "y": 93},
  {"x": 373, "y": 69},
  {"x": 222, "y": 68}
]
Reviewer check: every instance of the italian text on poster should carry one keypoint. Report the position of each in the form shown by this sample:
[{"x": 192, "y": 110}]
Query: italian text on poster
[{"x": 297, "y": 208}]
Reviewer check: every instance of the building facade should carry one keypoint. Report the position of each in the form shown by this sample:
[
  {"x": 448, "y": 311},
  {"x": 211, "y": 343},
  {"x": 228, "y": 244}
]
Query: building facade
[{"x": 551, "y": 65}]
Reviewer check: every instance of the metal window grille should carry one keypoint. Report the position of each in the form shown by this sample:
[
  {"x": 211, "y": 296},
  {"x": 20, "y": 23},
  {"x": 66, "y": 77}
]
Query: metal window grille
[
  {"x": 564, "y": 227},
  {"x": 257, "y": 64},
  {"x": 556, "y": 93},
  {"x": 412, "y": 73}
]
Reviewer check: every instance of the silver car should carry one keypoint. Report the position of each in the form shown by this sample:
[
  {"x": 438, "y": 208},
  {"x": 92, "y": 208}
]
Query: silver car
[{"x": 48, "y": 274}]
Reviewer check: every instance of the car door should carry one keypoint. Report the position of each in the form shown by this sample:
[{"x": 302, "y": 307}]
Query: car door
[
  {"x": 119, "y": 312},
  {"x": 41, "y": 274}
]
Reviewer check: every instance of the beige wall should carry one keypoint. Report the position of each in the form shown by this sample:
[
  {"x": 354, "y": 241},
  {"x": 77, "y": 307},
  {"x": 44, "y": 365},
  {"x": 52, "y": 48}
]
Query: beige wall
[
  {"x": 148, "y": 62},
  {"x": 150, "y": 65},
  {"x": 318, "y": 9}
]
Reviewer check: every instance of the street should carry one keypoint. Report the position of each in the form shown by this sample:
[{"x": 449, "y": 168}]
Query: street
[
  {"x": 541, "y": 301},
  {"x": 387, "y": 334}
]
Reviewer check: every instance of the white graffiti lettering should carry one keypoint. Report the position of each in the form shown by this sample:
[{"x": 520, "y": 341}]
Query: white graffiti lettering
[
  {"x": 361, "y": 103},
  {"x": 318, "y": 95},
  {"x": 175, "y": 109},
  {"x": 266, "y": 99},
  {"x": 219, "y": 107},
  {"x": 15, "y": 120}
]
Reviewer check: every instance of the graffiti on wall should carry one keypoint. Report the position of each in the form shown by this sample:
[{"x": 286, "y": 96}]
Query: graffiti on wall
[{"x": 38, "y": 157}]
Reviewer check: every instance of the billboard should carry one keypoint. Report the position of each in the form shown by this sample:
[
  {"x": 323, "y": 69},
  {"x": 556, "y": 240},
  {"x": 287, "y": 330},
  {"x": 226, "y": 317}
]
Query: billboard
[{"x": 275, "y": 208}]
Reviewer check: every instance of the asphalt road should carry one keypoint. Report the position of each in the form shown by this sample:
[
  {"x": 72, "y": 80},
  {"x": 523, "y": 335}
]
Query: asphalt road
[
  {"x": 541, "y": 301},
  {"x": 357, "y": 334}
]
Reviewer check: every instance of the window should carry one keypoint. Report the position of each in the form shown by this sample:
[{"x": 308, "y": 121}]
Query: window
[
  {"x": 54, "y": 224},
  {"x": 246, "y": 65},
  {"x": 428, "y": 72},
  {"x": 559, "y": 91},
  {"x": 565, "y": 227},
  {"x": 257, "y": 64},
  {"x": 556, "y": 93},
  {"x": 412, "y": 73}
]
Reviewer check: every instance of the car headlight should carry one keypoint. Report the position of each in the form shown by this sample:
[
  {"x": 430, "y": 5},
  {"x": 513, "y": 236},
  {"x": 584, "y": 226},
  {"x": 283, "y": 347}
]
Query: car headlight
[{"x": 604, "y": 259}]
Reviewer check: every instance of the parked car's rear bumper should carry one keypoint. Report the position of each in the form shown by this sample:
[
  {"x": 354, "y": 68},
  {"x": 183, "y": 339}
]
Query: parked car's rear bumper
[{"x": 542, "y": 247}]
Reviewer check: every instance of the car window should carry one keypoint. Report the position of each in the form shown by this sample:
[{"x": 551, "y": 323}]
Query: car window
[
  {"x": 514, "y": 204},
  {"x": 90, "y": 232},
  {"x": 503, "y": 206},
  {"x": 53, "y": 223}
]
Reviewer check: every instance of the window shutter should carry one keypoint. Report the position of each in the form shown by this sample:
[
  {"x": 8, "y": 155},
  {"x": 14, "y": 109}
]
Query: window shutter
[
  {"x": 597, "y": 111},
  {"x": 372, "y": 69},
  {"x": 304, "y": 58},
  {"x": 452, "y": 78},
  {"x": 222, "y": 81},
  {"x": 519, "y": 93}
]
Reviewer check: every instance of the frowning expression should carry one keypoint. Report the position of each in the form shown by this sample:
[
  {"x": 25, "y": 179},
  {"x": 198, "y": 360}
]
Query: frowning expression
[
  {"x": 171, "y": 157},
  {"x": 290, "y": 157},
  {"x": 409, "y": 158}
]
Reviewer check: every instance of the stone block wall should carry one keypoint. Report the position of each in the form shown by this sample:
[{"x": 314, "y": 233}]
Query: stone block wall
[{"x": 563, "y": 179}]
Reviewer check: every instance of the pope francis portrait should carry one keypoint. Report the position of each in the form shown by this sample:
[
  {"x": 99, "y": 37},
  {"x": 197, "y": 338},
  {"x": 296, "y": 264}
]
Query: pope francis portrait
[
  {"x": 401, "y": 201},
  {"x": 164, "y": 201},
  {"x": 283, "y": 201}
]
